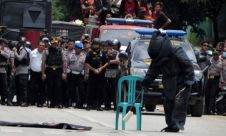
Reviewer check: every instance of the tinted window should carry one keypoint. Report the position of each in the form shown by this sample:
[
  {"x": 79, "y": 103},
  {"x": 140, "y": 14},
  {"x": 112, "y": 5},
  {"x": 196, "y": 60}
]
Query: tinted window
[
  {"x": 140, "y": 52},
  {"x": 123, "y": 35}
]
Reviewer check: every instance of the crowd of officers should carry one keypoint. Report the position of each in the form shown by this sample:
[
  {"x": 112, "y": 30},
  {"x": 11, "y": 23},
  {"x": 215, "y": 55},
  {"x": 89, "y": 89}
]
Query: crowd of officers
[
  {"x": 212, "y": 62},
  {"x": 60, "y": 74}
]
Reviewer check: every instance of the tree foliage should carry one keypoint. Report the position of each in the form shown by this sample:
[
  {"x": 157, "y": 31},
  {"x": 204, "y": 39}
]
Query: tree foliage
[
  {"x": 66, "y": 10},
  {"x": 57, "y": 10}
]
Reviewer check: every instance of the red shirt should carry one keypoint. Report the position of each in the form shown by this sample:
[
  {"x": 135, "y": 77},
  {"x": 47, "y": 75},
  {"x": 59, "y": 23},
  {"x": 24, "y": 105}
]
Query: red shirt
[
  {"x": 154, "y": 15},
  {"x": 129, "y": 8}
]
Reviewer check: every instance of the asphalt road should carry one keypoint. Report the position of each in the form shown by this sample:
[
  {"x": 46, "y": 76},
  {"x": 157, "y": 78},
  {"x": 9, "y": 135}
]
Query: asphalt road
[{"x": 102, "y": 123}]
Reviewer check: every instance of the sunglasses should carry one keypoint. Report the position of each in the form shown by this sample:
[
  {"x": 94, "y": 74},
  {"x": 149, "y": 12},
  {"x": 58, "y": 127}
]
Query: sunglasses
[{"x": 205, "y": 45}]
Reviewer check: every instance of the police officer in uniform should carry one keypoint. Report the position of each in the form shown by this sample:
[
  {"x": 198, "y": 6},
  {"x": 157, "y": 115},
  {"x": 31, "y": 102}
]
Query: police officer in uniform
[
  {"x": 212, "y": 85},
  {"x": 95, "y": 62},
  {"x": 203, "y": 57},
  {"x": 54, "y": 70},
  {"x": 178, "y": 76},
  {"x": 4, "y": 57},
  {"x": 21, "y": 78},
  {"x": 111, "y": 74},
  {"x": 11, "y": 77},
  {"x": 76, "y": 62}
]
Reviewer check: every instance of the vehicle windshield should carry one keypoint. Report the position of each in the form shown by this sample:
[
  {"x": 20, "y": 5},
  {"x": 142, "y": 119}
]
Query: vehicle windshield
[
  {"x": 140, "y": 53},
  {"x": 123, "y": 35}
]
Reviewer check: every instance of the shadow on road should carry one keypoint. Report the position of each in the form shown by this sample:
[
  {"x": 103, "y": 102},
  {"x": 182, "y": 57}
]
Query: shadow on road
[{"x": 153, "y": 113}]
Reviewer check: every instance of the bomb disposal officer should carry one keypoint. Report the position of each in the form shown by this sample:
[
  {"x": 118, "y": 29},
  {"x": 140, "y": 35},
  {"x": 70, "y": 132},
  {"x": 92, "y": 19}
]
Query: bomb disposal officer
[{"x": 178, "y": 76}]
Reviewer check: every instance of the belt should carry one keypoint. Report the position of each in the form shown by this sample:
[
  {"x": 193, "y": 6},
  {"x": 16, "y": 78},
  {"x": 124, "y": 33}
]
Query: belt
[
  {"x": 76, "y": 73},
  {"x": 213, "y": 77},
  {"x": 54, "y": 67}
]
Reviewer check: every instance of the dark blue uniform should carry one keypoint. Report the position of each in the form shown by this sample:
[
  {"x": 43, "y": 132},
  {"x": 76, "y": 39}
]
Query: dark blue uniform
[{"x": 96, "y": 59}]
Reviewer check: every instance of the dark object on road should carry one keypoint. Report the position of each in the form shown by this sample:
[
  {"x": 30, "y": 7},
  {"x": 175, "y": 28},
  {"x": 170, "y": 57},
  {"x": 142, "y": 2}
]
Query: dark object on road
[{"x": 46, "y": 125}]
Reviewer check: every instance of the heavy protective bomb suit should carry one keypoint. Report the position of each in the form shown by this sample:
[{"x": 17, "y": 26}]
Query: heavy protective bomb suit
[{"x": 178, "y": 76}]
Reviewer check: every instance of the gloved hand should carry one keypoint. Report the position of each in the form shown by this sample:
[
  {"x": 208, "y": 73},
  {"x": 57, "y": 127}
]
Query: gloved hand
[{"x": 145, "y": 83}]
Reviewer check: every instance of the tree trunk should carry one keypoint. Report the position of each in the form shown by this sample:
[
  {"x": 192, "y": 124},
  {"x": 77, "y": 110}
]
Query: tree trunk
[{"x": 215, "y": 30}]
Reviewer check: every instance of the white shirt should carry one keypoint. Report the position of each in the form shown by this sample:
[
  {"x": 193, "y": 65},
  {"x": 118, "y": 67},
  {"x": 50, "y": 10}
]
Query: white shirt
[{"x": 36, "y": 61}]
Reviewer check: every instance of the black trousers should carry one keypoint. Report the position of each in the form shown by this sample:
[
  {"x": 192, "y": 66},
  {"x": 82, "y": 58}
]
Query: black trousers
[
  {"x": 21, "y": 88},
  {"x": 36, "y": 92},
  {"x": 95, "y": 91},
  {"x": 212, "y": 88},
  {"x": 54, "y": 84},
  {"x": 176, "y": 108},
  {"x": 110, "y": 92},
  {"x": 3, "y": 87},
  {"x": 65, "y": 93},
  {"x": 76, "y": 89}
]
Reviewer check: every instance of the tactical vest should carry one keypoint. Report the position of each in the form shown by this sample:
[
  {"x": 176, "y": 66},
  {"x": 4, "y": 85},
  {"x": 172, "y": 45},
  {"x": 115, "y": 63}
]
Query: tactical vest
[
  {"x": 54, "y": 57},
  {"x": 3, "y": 60},
  {"x": 25, "y": 61},
  {"x": 112, "y": 56},
  {"x": 96, "y": 59}
]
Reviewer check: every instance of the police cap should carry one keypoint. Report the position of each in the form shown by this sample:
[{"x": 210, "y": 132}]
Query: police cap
[
  {"x": 45, "y": 39},
  {"x": 78, "y": 44},
  {"x": 54, "y": 41}
]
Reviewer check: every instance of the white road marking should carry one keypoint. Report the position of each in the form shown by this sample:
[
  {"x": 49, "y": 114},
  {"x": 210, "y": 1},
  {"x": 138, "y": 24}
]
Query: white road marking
[
  {"x": 91, "y": 119},
  {"x": 55, "y": 132},
  {"x": 11, "y": 130}
]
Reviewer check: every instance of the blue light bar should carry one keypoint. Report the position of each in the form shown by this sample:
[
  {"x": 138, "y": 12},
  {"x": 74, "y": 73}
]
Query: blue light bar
[
  {"x": 168, "y": 32},
  {"x": 128, "y": 21}
]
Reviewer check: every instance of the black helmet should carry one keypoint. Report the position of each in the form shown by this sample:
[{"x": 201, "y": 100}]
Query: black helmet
[
  {"x": 109, "y": 42},
  {"x": 96, "y": 41},
  {"x": 123, "y": 56},
  {"x": 103, "y": 43},
  {"x": 3, "y": 40},
  {"x": 116, "y": 42}
]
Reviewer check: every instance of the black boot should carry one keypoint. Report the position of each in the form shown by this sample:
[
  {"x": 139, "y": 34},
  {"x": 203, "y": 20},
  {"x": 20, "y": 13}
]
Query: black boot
[{"x": 170, "y": 129}]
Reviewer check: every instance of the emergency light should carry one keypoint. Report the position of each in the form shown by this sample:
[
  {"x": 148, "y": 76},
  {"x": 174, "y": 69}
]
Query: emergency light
[
  {"x": 129, "y": 21},
  {"x": 167, "y": 32}
]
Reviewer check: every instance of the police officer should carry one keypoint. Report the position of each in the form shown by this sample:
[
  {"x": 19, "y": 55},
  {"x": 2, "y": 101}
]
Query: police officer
[
  {"x": 66, "y": 45},
  {"x": 178, "y": 76},
  {"x": 111, "y": 74},
  {"x": 68, "y": 98},
  {"x": 95, "y": 62},
  {"x": 11, "y": 77},
  {"x": 212, "y": 85},
  {"x": 4, "y": 57},
  {"x": 54, "y": 70},
  {"x": 76, "y": 62},
  {"x": 36, "y": 92},
  {"x": 203, "y": 57},
  {"x": 117, "y": 44},
  {"x": 21, "y": 78}
]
